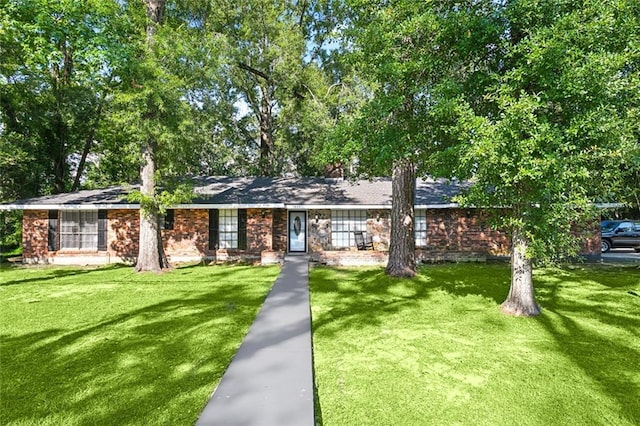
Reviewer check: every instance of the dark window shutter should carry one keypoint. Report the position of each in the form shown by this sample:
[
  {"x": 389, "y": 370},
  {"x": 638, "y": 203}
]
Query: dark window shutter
[
  {"x": 52, "y": 238},
  {"x": 102, "y": 230},
  {"x": 242, "y": 229},
  {"x": 169, "y": 219},
  {"x": 213, "y": 229}
]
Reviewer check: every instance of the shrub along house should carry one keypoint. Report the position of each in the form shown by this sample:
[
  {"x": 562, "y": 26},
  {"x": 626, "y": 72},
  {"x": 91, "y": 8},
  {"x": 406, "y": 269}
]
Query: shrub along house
[{"x": 259, "y": 219}]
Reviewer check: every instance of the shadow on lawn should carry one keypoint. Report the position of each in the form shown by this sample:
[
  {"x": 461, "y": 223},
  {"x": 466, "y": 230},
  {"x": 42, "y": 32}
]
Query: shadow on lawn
[
  {"x": 372, "y": 295},
  {"x": 590, "y": 320},
  {"x": 51, "y": 273},
  {"x": 595, "y": 321},
  {"x": 355, "y": 299},
  {"x": 132, "y": 366}
]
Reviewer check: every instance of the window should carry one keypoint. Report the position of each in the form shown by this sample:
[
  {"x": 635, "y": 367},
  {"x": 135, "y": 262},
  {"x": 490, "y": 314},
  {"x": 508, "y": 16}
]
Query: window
[
  {"x": 420, "y": 228},
  {"x": 79, "y": 230},
  {"x": 344, "y": 223},
  {"x": 166, "y": 221},
  {"x": 626, "y": 227},
  {"x": 228, "y": 228}
]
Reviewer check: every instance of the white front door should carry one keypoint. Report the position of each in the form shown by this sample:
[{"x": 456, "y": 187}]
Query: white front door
[{"x": 297, "y": 232}]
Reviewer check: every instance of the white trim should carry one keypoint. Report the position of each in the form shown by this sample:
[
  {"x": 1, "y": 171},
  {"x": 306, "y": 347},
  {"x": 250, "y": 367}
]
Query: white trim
[
  {"x": 229, "y": 206},
  {"x": 236, "y": 206},
  {"x": 134, "y": 206},
  {"x": 439, "y": 206},
  {"x": 306, "y": 231},
  {"x": 9, "y": 207},
  {"x": 337, "y": 207},
  {"x": 70, "y": 207}
]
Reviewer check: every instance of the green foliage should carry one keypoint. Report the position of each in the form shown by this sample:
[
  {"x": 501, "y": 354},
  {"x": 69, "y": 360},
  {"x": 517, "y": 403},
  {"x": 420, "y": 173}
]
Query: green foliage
[
  {"x": 175, "y": 193},
  {"x": 436, "y": 349},
  {"x": 10, "y": 231},
  {"x": 274, "y": 101},
  {"x": 108, "y": 346},
  {"x": 415, "y": 59},
  {"x": 564, "y": 124},
  {"x": 54, "y": 73},
  {"x": 79, "y": 77}
]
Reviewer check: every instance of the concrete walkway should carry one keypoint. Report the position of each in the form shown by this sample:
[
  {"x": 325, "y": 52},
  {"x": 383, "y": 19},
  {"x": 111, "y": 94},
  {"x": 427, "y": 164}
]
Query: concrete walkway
[{"x": 270, "y": 379}]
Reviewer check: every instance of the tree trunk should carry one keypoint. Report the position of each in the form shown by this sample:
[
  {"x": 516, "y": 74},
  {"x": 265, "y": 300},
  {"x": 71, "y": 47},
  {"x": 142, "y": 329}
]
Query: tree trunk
[
  {"x": 155, "y": 11},
  {"x": 266, "y": 135},
  {"x": 87, "y": 147},
  {"x": 60, "y": 129},
  {"x": 402, "y": 261},
  {"x": 151, "y": 256},
  {"x": 59, "y": 166},
  {"x": 56, "y": 136},
  {"x": 521, "y": 300}
]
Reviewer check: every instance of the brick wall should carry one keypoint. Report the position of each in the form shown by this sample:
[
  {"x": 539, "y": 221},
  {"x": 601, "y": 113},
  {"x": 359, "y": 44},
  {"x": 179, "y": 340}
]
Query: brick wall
[
  {"x": 35, "y": 234},
  {"x": 279, "y": 240},
  {"x": 463, "y": 230},
  {"x": 123, "y": 233},
  {"x": 122, "y": 239},
  {"x": 259, "y": 230},
  {"x": 452, "y": 234},
  {"x": 447, "y": 229},
  {"x": 190, "y": 233}
]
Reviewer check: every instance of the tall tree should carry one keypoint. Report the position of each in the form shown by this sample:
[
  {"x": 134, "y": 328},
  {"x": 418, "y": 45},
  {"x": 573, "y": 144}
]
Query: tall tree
[
  {"x": 53, "y": 77},
  {"x": 415, "y": 56},
  {"x": 155, "y": 111},
  {"x": 565, "y": 125},
  {"x": 273, "y": 83},
  {"x": 151, "y": 255}
]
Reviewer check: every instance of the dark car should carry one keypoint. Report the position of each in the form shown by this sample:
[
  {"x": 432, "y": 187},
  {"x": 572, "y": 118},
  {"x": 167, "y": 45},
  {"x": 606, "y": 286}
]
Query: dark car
[{"x": 620, "y": 233}]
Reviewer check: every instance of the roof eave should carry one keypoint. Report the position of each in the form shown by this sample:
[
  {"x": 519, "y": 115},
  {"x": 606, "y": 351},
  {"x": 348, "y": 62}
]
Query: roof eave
[{"x": 106, "y": 206}]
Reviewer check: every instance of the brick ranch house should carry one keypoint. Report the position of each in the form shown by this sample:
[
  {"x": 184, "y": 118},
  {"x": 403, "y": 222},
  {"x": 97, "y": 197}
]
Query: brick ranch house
[{"x": 260, "y": 220}]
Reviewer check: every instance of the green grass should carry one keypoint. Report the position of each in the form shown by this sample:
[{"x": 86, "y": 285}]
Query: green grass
[
  {"x": 108, "y": 346},
  {"x": 437, "y": 349}
]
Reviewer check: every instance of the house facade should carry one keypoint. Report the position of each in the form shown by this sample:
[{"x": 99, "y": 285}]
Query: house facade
[{"x": 261, "y": 220}]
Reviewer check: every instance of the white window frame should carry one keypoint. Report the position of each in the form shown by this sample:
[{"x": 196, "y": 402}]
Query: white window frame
[
  {"x": 344, "y": 223},
  {"x": 79, "y": 230},
  {"x": 228, "y": 228},
  {"x": 420, "y": 227}
]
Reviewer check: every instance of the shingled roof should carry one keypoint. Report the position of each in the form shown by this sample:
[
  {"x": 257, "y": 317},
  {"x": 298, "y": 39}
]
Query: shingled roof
[{"x": 261, "y": 192}]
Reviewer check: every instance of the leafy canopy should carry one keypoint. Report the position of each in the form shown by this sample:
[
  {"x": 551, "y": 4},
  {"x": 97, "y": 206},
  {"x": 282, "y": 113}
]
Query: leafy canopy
[{"x": 565, "y": 121}]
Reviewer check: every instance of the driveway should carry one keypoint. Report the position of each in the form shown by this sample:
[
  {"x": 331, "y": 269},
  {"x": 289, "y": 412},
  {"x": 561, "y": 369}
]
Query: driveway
[{"x": 621, "y": 255}]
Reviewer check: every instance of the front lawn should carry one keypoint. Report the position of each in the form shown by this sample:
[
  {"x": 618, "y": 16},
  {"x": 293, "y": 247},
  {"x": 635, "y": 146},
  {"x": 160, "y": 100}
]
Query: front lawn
[
  {"x": 437, "y": 350},
  {"x": 109, "y": 346}
]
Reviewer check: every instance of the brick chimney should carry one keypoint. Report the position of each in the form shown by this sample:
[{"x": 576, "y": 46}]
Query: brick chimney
[{"x": 334, "y": 172}]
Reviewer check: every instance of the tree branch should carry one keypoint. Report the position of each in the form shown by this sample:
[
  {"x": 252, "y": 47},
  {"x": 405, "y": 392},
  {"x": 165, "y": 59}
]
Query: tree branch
[
  {"x": 254, "y": 71},
  {"x": 87, "y": 147},
  {"x": 302, "y": 12}
]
